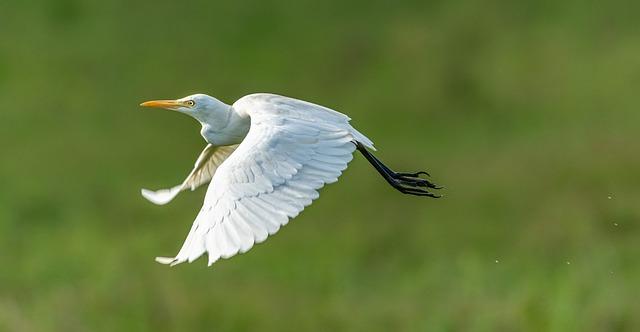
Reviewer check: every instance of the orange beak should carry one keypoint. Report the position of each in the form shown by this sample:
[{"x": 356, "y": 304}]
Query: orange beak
[{"x": 166, "y": 104}]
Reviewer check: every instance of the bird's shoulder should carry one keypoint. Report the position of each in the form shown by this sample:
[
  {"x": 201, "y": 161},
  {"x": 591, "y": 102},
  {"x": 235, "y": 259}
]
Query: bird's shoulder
[
  {"x": 261, "y": 99},
  {"x": 269, "y": 103}
]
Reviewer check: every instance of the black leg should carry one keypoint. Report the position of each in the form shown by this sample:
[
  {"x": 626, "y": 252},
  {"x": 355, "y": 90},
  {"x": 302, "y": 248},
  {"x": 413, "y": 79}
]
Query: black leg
[
  {"x": 405, "y": 178},
  {"x": 406, "y": 183}
]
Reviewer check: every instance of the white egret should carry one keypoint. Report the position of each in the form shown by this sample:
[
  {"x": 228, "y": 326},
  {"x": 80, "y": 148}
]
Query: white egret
[{"x": 266, "y": 158}]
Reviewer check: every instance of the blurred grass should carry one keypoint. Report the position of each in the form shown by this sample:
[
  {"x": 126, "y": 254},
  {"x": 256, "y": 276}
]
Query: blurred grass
[{"x": 526, "y": 111}]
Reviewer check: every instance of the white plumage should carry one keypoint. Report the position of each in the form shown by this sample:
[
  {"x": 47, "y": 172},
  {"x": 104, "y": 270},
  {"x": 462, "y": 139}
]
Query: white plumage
[
  {"x": 291, "y": 150},
  {"x": 267, "y": 157},
  {"x": 206, "y": 165}
]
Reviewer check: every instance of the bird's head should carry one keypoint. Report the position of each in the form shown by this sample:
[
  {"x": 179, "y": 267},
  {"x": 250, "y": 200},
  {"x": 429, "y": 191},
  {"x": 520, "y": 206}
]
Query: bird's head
[{"x": 202, "y": 107}]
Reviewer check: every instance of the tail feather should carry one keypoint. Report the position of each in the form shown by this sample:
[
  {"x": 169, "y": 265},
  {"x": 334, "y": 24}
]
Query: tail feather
[{"x": 364, "y": 140}]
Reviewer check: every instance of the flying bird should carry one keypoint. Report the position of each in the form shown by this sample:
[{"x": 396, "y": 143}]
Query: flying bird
[{"x": 266, "y": 158}]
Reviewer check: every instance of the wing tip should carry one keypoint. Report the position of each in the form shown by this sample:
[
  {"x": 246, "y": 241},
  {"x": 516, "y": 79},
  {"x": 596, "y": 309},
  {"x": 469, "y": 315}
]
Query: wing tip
[
  {"x": 171, "y": 261},
  {"x": 165, "y": 260},
  {"x": 157, "y": 197}
]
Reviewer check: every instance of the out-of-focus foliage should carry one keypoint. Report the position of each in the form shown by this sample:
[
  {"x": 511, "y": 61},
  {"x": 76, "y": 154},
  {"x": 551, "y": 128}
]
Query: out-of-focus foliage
[{"x": 527, "y": 111}]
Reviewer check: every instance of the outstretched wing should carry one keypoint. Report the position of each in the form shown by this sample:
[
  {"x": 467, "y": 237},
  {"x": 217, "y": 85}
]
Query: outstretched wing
[
  {"x": 292, "y": 149},
  {"x": 206, "y": 165}
]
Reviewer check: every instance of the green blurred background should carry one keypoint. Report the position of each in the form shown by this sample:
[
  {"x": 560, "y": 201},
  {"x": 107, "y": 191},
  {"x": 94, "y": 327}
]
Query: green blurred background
[{"x": 526, "y": 111}]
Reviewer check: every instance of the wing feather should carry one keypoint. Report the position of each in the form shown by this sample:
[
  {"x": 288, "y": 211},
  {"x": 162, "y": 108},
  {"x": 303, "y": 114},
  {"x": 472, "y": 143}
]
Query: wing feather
[
  {"x": 293, "y": 149},
  {"x": 206, "y": 164}
]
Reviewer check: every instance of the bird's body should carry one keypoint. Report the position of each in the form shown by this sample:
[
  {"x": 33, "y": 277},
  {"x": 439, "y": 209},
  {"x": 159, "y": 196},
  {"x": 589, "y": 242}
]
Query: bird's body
[{"x": 267, "y": 155}]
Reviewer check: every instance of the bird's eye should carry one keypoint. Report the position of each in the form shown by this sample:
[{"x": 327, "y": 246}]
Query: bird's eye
[{"x": 191, "y": 103}]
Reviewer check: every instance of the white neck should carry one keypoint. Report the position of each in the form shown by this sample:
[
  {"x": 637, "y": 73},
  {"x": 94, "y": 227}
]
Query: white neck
[{"x": 224, "y": 126}]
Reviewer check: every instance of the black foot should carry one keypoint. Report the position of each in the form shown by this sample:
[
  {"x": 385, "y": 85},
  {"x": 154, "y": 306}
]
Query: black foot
[
  {"x": 413, "y": 179},
  {"x": 415, "y": 175},
  {"x": 406, "y": 183}
]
